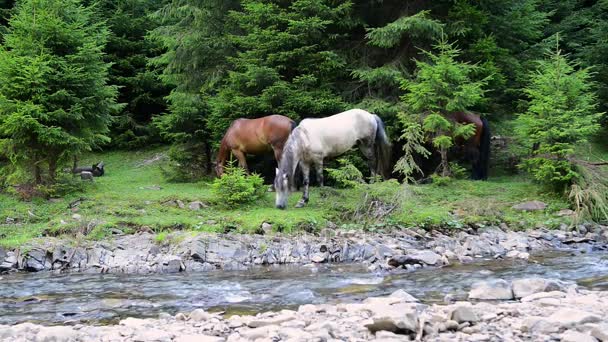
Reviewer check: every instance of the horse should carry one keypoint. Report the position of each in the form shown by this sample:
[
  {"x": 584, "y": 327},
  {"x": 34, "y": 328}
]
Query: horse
[
  {"x": 97, "y": 170},
  {"x": 476, "y": 148},
  {"x": 254, "y": 136},
  {"x": 316, "y": 139}
]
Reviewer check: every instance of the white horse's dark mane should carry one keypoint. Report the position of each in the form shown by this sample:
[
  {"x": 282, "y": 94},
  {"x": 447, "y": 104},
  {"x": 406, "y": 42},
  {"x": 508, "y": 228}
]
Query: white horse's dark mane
[{"x": 290, "y": 156}]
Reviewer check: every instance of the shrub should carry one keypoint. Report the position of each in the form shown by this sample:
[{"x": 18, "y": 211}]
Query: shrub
[
  {"x": 347, "y": 175},
  {"x": 236, "y": 187}
]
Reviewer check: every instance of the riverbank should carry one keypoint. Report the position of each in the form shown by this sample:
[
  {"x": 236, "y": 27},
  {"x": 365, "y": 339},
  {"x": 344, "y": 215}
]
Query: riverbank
[
  {"x": 134, "y": 196},
  {"x": 177, "y": 252},
  {"x": 531, "y": 309}
]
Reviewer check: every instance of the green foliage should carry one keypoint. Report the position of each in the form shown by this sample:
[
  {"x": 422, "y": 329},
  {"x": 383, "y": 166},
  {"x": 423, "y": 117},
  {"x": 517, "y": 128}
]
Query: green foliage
[
  {"x": 441, "y": 180},
  {"x": 562, "y": 112},
  {"x": 54, "y": 100},
  {"x": 418, "y": 25},
  {"x": 443, "y": 85},
  {"x": 236, "y": 187},
  {"x": 347, "y": 175},
  {"x": 413, "y": 138}
]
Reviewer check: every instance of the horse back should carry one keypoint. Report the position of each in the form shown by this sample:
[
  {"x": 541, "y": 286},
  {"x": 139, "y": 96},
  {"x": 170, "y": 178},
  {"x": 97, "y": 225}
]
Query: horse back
[{"x": 258, "y": 135}]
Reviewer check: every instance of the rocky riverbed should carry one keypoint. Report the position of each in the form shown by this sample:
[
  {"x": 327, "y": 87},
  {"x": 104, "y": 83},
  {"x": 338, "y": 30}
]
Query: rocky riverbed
[
  {"x": 532, "y": 309},
  {"x": 185, "y": 252}
]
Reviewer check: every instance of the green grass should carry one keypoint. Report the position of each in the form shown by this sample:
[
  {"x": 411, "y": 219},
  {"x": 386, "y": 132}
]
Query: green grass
[{"x": 122, "y": 200}]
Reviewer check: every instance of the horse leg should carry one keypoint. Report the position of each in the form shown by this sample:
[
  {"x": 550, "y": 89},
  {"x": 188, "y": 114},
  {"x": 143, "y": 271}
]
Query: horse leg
[
  {"x": 242, "y": 160},
  {"x": 306, "y": 174},
  {"x": 319, "y": 169},
  {"x": 368, "y": 152}
]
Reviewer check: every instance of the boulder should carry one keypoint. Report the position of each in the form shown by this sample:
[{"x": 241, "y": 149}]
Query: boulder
[
  {"x": 600, "y": 332},
  {"x": 530, "y": 206},
  {"x": 403, "y": 296},
  {"x": 426, "y": 257},
  {"x": 199, "y": 315},
  {"x": 57, "y": 334},
  {"x": 529, "y": 286},
  {"x": 491, "y": 290},
  {"x": 198, "y": 338},
  {"x": 575, "y": 336},
  {"x": 569, "y": 318},
  {"x": 197, "y": 205},
  {"x": 394, "y": 320},
  {"x": 463, "y": 312}
]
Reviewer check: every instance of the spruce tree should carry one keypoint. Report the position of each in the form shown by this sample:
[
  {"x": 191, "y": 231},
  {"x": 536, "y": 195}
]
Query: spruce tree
[
  {"x": 562, "y": 112},
  {"x": 442, "y": 85},
  {"x": 54, "y": 100}
]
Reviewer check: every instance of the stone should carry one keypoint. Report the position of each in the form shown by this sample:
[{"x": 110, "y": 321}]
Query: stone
[
  {"x": 199, "y": 315},
  {"x": 180, "y": 317},
  {"x": 535, "y": 324},
  {"x": 529, "y": 286},
  {"x": 451, "y": 325},
  {"x": 403, "y": 296},
  {"x": 530, "y": 206},
  {"x": 180, "y": 204},
  {"x": 266, "y": 228},
  {"x": 256, "y": 323},
  {"x": 261, "y": 332},
  {"x": 198, "y": 338},
  {"x": 463, "y": 312},
  {"x": 600, "y": 332},
  {"x": 86, "y": 175},
  {"x": 77, "y": 217},
  {"x": 319, "y": 258},
  {"x": 573, "y": 317},
  {"x": 394, "y": 320},
  {"x": 152, "y": 335},
  {"x": 425, "y": 256},
  {"x": 541, "y": 295},
  {"x": 575, "y": 336},
  {"x": 491, "y": 290},
  {"x": 57, "y": 334},
  {"x": 565, "y": 212}
]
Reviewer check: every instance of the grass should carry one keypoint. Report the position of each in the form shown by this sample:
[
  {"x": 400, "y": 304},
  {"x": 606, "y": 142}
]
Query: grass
[{"x": 133, "y": 196}]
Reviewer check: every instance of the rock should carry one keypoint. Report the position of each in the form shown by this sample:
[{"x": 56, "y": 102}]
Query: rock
[
  {"x": 569, "y": 318},
  {"x": 197, "y": 205},
  {"x": 530, "y": 206},
  {"x": 394, "y": 319},
  {"x": 77, "y": 217},
  {"x": 575, "y": 336},
  {"x": 198, "y": 338},
  {"x": 56, "y": 334},
  {"x": 463, "y": 312},
  {"x": 266, "y": 228},
  {"x": 529, "y": 286},
  {"x": 600, "y": 332},
  {"x": 261, "y": 332},
  {"x": 152, "y": 335},
  {"x": 403, "y": 296},
  {"x": 425, "y": 256},
  {"x": 86, "y": 175},
  {"x": 451, "y": 325},
  {"x": 535, "y": 324},
  {"x": 565, "y": 212},
  {"x": 256, "y": 323},
  {"x": 181, "y": 317},
  {"x": 180, "y": 204},
  {"x": 541, "y": 295},
  {"x": 319, "y": 258},
  {"x": 199, "y": 315},
  {"x": 491, "y": 290}
]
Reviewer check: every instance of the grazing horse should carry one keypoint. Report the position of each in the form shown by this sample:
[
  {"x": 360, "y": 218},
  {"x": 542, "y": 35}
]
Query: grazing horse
[
  {"x": 476, "y": 148},
  {"x": 316, "y": 139},
  {"x": 254, "y": 136}
]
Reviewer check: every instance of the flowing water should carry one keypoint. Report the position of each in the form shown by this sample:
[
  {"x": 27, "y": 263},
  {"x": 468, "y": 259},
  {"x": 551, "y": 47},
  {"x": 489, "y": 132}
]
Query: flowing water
[{"x": 106, "y": 298}]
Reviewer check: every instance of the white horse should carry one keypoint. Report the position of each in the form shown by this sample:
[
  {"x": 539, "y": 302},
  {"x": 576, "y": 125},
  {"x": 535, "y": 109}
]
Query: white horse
[{"x": 316, "y": 139}]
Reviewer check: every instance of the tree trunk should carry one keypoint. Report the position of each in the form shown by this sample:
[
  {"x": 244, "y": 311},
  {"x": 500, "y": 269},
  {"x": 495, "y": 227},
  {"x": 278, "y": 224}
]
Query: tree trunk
[
  {"x": 52, "y": 170},
  {"x": 445, "y": 167}
]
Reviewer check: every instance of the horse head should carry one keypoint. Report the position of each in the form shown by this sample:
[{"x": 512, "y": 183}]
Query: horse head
[{"x": 282, "y": 188}]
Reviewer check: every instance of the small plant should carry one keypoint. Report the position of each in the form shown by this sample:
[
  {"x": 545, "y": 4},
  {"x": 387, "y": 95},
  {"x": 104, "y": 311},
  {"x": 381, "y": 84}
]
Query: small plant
[
  {"x": 236, "y": 187},
  {"x": 441, "y": 180},
  {"x": 347, "y": 175},
  {"x": 160, "y": 238},
  {"x": 458, "y": 172}
]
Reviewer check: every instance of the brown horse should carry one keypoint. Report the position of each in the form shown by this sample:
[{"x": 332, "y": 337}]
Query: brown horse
[
  {"x": 254, "y": 136},
  {"x": 476, "y": 148}
]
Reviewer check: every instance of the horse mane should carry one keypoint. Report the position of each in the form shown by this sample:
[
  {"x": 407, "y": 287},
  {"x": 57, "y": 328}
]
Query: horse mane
[{"x": 289, "y": 160}]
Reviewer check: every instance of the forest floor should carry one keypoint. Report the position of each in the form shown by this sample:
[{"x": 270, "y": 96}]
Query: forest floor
[{"x": 133, "y": 196}]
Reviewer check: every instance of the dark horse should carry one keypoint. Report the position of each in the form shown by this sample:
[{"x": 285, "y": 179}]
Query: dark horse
[
  {"x": 254, "y": 136},
  {"x": 477, "y": 148}
]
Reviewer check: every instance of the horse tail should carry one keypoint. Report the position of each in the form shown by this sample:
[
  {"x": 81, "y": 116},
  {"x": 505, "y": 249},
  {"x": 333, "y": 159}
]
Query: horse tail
[
  {"x": 484, "y": 150},
  {"x": 382, "y": 149}
]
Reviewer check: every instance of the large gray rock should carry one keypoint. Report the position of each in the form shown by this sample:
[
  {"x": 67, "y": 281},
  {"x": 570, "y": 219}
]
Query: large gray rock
[
  {"x": 575, "y": 336},
  {"x": 530, "y": 206},
  {"x": 570, "y": 318},
  {"x": 57, "y": 334},
  {"x": 600, "y": 332},
  {"x": 529, "y": 286},
  {"x": 394, "y": 320},
  {"x": 463, "y": 312},
  {"x": 497, "y": 289},
  {"x": 35, "y": 260},
  {"x": 403, "y": 296}
]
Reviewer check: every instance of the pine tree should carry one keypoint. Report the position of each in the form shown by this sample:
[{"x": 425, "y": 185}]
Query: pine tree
[
  {"x": 54, "y": 100},
  {"x": 442, "y": 85},
  {"x": 562, "y": 112}
]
